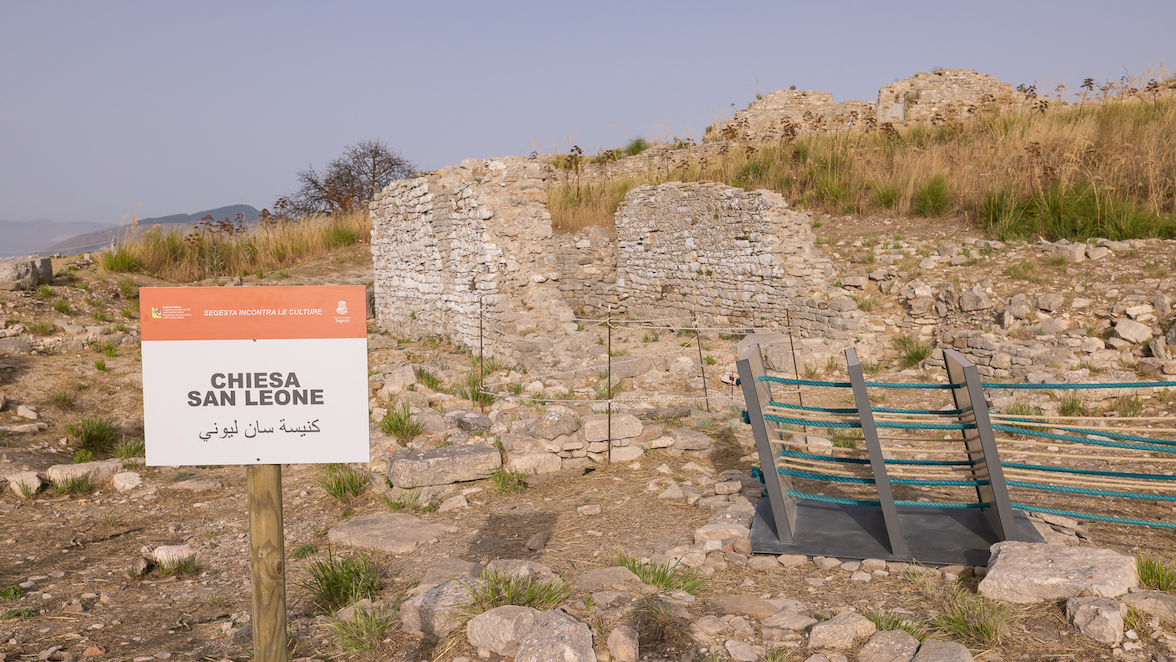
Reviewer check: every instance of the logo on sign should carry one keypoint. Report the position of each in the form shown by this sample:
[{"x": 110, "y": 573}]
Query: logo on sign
[
  {"x": 155, "y": 314},
  {"x": 342, "y": 309}
]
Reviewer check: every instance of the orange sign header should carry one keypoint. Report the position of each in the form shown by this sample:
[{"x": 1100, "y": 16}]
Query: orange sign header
[{"x": 243, "y": 313}]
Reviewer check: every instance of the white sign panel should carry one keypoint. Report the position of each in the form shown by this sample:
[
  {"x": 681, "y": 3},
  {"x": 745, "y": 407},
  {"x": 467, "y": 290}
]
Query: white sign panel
[{"x": 260, "y": 375}]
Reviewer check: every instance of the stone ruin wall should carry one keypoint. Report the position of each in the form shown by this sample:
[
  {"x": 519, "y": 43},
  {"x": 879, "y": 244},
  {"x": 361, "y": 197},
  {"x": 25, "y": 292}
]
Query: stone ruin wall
[
  {"x": 944, "y": 95},
  {"x": 726, "y": 256},
  {"x": 478, "y": 235}
]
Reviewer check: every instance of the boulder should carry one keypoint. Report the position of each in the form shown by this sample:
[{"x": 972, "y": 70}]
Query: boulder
[
  {"x": 500, "y": 630},
  {"x": 603, "y": 578},
  {"x": 630, "y": 366},
  {"x": 889, "y": 646},
  {"x": 690, "y": 440},
  {"x": 555, "y": 422},
  {"x": 98, "y": 472},
  {"x": 790, "y": 618},
  {"x": 1024, "y": 572},
  {"x": 443, "y": 572},
  {"x": 442, "y": 466},
  {"x": 934, "y": 650},
  {"x": 841, "y": 631},
  {"x": 126, "y": 481},
  {"x": 974, "y": 298},
  {"x": 741, "y": 651},
  {"x": 24, "y": 483},
  {"x": 1098, "y": 618},
  {"x": 536, "y": 572},
  {"x": 747, "y": 605},
  {"x": 1132, "y": 331},
  {"x": 435, "y": 612},
  {"x": 622, "y": 644},
  {"x": 556, "y": 636},
  {"x": 395, "y": 533},
  {"x": 1153, "y": 602}
]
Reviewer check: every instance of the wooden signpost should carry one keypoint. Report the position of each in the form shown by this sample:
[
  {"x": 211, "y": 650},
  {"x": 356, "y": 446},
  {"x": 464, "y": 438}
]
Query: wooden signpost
[{"x": 257, "y": 376}]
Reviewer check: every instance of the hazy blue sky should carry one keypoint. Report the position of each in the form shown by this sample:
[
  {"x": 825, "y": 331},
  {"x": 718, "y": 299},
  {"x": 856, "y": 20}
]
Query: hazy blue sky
[{"x": 179, "y": 107}]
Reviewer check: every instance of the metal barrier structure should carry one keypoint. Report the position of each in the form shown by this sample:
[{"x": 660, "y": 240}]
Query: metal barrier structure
[{"x": 846, "y": 525}]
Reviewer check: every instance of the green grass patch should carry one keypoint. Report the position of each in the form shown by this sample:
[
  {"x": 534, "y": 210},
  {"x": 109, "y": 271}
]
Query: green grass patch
[
  {"x": 508, "y": 480},
  {"x": 94, "y": 433},
  {"x": 1072, "y": 405},
  {"x": 471, "y": 389},
  {"x": 337, "y": 581},
  {"x": 39, "y": 328},
  {"x": 399, "y": 423},
  {"x": 1129, "y": 406},
  {"x": 428, "y": 379},
  {"x": 11, "y": 593},
  {"x": 305, "y": 550},
  {"x": 498, "y": 588},
  {"x": 911, "y": 349},
  {"x": 1154, "y": 572},
  {"x": 24, "y": 612},
  {"x": 668, "y": 576},
  {"x": 74, "y": 485},
  {"x": 82, "y": 456},
  {"x": 62, "y": 400},
  {"x": 130, "y": 449},
  {"x": 933, "y": 198},
  {"x": 343, "y": 482},
  {"x": 365, "y": 630},
  {"x": 1023, "y": 270},
  {"x": 888, "y": 621},
  {"x": 61, "y": 306},
  {"x": 189, "y": 566}
]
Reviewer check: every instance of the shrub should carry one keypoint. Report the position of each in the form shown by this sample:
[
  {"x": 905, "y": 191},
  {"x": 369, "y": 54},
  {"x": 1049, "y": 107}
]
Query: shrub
[
  {"x": 126, "y": 450},
  {"x": 11, "y": 593},
  {"x": 94, "y": 433},
  {"x": 337, "y": 581},
  {"x": 82, "y": 456},
  {"x": 62, "y": 400},
  {"x": 306, "y": 550},
  {"x": 189, "y": 566},
  {"x": 886, "y": 195},
  {"x": 885, "y": 621}
]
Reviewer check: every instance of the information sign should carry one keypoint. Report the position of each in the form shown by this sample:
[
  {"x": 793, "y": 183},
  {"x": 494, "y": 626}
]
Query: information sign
[{"x": 254, "y": 375}]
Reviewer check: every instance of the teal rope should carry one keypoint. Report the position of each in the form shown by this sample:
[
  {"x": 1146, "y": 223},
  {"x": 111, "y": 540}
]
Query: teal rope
[
  {"x": 1084, "y": 472},
  {"x": 1034, "y": 387},
  {"x": 893, "y": 481},
  {"x": 860, "y": 502},
  {"x": 854, "y": 460},
  {"x": 898, "y": 425},
  {"x": 814, "y": 382},
  {"x": 1089, "y": 492},
  {"x": 1097, "y": 518},
  {"x": 1100, "y": 433},
  {"x": 879, "y": 410},
  {"x": 1080, "y": 440}
]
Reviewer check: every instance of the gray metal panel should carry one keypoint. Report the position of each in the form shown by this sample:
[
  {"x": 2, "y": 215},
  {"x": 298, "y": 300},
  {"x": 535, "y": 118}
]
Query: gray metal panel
[
  {"x": 981, "y": 445},
  {"x": 757, "y": 394},
  {"x": 861, "y": 400},
  {"x": 937, "y": 536}
]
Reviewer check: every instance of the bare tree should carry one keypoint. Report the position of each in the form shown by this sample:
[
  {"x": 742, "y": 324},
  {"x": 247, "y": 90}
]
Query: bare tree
[{"x": 350, "y": 181}]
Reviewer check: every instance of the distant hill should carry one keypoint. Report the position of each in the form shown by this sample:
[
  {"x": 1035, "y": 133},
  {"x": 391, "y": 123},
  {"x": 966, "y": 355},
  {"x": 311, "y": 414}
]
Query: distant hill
[
  {"x": 18, "y": 239},
  {"x": 102, "y": 238}
]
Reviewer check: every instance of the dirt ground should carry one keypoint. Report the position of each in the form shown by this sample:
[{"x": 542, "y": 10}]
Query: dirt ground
[{"x": 77, "y": 549}]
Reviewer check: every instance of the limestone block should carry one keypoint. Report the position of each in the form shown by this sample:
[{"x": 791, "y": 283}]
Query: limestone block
[
  {"x": 934, "y": 650},
  {"x": 690, "y": 440},
  {"x": 98, "y": 472},
  {"x": 1132, "y": 331},
  {"x": 396, "y": 533},
  {"x": 556, "y": 636},
  {"x": 442, "y": 466},
  {"x": 24, "y": 483},
  {"x": 624, "y": 426},
  {"x": 1098, "y": 618},
  {"x": 500, "y": 630},
  {"x": 126, "y": 481},
  {"x": 840, "y": 631},
  {"x": 1033, "y": 572},
  {"x": 622, "y": 644},
  {"x": 555, "y": 422},
  {"x": 889, "y": 646},
  {"x": 434, "y": 612}
]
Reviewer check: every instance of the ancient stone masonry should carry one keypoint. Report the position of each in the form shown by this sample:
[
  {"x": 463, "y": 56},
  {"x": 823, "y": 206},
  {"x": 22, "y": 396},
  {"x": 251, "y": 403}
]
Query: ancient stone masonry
[
  {"x": 726, "y": 255},
  {"x": 476, "y": 239},
  {"x": 944, "y": 95},
  {"x": 785, "y": 113}
]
